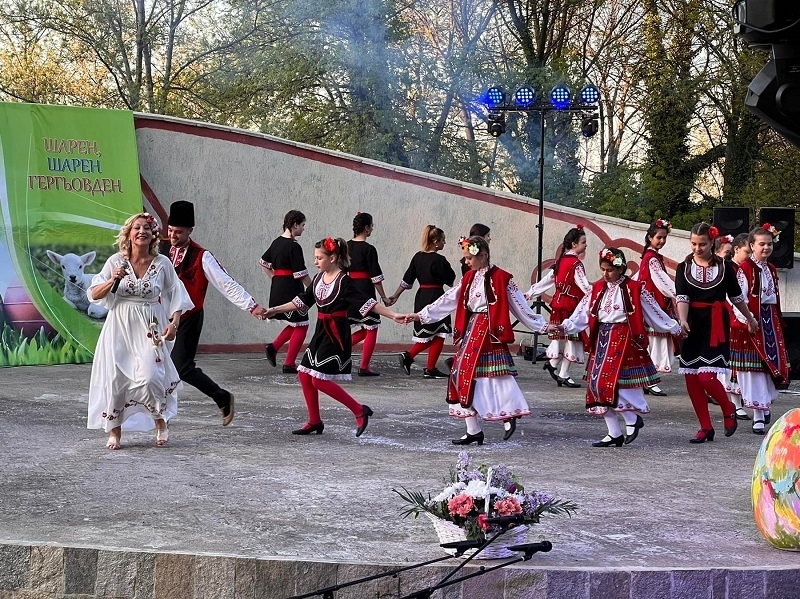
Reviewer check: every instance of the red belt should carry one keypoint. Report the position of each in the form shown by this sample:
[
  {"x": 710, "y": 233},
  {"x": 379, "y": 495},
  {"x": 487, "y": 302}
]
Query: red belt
[
  {"x": 717, "y": 320},
  {"x": 431, "y": 286},
  {"x": 282, "y": 272},
  {"x": 359, "y": 274},
  {"x": 327, "y": 318}
]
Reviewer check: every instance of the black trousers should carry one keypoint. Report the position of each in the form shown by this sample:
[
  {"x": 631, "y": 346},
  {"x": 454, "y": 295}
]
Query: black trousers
[{"x": 183, "y": 354}]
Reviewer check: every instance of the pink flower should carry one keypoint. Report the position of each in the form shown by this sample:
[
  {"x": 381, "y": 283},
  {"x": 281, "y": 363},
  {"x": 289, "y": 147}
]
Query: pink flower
[
  {"x": 508, "y": 506},
  {"x": 461, "y": 505},
  {"x": 482, "y": 522}
]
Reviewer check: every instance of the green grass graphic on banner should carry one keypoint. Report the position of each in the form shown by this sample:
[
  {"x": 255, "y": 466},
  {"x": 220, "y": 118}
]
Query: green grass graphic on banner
[{"x": 69, "y": 177}]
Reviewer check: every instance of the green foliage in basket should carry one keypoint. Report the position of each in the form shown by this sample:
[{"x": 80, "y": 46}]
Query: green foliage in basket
[
  {"x": 17, "y": 350},
  {"x": 474, "y": 493}
]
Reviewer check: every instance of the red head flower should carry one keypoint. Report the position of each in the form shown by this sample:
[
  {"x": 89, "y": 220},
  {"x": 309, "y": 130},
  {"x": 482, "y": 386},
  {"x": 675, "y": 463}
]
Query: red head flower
[
  {"x": 329, "y": 244},
  {"x": 713, "y": 232},
  {"x": 773, "y": 230},
  {"x": 579, "y": 227}
]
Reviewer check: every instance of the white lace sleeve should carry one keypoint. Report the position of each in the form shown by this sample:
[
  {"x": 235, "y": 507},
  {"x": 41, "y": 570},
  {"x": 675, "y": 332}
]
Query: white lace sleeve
[
  {"x": 579, "y": 319},
  {"x": 656, "y": 317}
]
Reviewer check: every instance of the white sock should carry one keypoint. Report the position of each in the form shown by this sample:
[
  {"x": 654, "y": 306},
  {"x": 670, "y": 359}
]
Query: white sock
[
  {"x": 554, "y": 362},
  {"x": 758, "y": 415},
  {"x": 563, "y": 372},
  {"x": 473, "y": 425},
  {"x": 655, "y": 388},
  {"x": 612, "y": 423}
]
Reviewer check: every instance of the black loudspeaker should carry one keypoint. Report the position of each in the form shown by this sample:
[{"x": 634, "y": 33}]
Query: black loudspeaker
[
  {"x": 732, "y": 220},
  {"x": 783, "y": 220}
]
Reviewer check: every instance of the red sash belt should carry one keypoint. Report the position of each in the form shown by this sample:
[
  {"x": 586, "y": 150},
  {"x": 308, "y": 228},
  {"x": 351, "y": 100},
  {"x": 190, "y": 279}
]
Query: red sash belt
[
  {"x": 330, "y": 327},
  {"x": 717, "y": 320},
  {"x": 282, "y": 272},
  {"x": 359, "y": 274},
  {"x": 431, "y": 286}
]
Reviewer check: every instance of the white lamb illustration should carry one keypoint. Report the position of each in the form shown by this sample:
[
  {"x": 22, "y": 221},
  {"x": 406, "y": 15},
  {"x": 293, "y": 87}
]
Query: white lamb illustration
[{"x": 76, "y": 281}]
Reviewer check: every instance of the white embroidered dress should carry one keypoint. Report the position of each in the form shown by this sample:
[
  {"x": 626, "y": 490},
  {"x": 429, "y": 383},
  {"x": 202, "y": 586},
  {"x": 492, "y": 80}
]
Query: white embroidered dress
[
  {"x": 494, "y": 397},
  {"x": 133, "y": 379},
  {"x": 658, "y": 346}
]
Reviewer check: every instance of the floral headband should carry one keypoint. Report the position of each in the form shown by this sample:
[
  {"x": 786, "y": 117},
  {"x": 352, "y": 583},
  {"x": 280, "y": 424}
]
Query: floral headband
[
  {"x": 472, "y": 248},
  {"x": 151, "y": 221},
  {"x": 773, "y": 230},
  {"x": 606, "y": 255},
  {"x": 330, "y": 245},
  {"x": 713, "y": 232},
  {"x": 663, "y": 223},
  {"x": 726, "y": 239}
]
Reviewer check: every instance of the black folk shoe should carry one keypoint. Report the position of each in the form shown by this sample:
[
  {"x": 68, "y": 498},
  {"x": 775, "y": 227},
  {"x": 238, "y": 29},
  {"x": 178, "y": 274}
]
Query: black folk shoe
[
  {"x": 608, "y": 441},
  {"x": 469, "y": 439}
]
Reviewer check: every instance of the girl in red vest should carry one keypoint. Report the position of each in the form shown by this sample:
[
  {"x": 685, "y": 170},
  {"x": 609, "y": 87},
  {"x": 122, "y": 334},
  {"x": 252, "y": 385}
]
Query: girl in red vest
[
  {"x": 284, "y": 264},
  {"x": 482, "y": 382},
  {"x": 656, "y": 280},
  {"x": 367, "y": 276},
  {"x": 328, "y": 356},
  {"x": 617, "y": 313},
  {"x": 739, "y": 333},
  {"x": 761, "y": 360},
  {"x": 703, "y": 281},
  {"x": 569, "y": 279},
  {"x": 433, "y": 272}
]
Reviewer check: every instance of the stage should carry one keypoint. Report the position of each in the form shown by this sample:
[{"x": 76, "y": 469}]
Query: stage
[{"x": 253, "y": 511}]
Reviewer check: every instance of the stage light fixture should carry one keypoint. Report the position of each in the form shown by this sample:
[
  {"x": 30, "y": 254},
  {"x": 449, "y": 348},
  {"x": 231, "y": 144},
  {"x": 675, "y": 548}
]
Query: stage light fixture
[
  {"x": 590, "y": 126},
  {"x": 495, "y": 97},
  {"x": 496, "y": 123},
  {"x": 560, "y": 97},
  {"x": 524, "y": 96},
  {"x": 590, "y": 94}
]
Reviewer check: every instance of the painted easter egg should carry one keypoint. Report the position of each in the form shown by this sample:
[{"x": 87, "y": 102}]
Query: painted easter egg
[
  {"x": 22, "y": 314},
  {"x": 776, "y": 483}
]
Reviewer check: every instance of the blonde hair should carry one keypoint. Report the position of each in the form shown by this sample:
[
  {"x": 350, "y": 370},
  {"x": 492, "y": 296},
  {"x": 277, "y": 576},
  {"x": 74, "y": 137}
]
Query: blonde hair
[
  {"x": 123, "y": 239},
  {"x": 430, "y": 235}
]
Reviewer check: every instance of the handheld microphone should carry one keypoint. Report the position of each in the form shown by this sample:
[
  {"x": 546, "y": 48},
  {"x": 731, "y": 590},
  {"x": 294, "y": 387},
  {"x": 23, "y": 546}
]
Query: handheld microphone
[
  {"x": 506, "y": 520},
  {"x": 463, "y": 545},
  {"x": 531, "y": 548},
  {"x": 115, "y": 286}
]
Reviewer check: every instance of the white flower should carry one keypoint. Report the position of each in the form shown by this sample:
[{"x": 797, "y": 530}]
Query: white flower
[
  {"x": 477, "y": 489},
  {"x": 474, "y": 249},
  {"x": 449, "y": 492}
]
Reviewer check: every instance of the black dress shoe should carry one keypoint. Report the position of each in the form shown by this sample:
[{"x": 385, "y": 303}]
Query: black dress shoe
[
  {"x": 761, "y": 430},
  {"x": 366, "y": 412},
  {"x": 702, "y": 436},
  {"x": 741, "y": 414},
  {"x": 654, "y": 390},
  {"x": 367, "y": 372},
  {"x": 449, "y": 363},
  {"x": 551, "y": 369},
  {"x": 511, "y": 429},
  {"x": 608, "y": 441},
  {"x": 406, "y": 361},
  {"x": 729, "y": 430},
  {"x": 272, "y": 354},
  {"x": 767, "y": 417},
  {"x": 567, "y": 382},
  {"x": 434, "y": 374},
  {"x": 636, "y": 426},
  {"x": 307, "y": 429},
  {"x": 289, "y": 369},
  {"x": 469, "y": 439}
]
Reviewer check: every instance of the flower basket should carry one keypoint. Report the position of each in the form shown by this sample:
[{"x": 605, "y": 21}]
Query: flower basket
[
  {"x": 475, "y": 501},
  {"x": 450, "y": 533}
]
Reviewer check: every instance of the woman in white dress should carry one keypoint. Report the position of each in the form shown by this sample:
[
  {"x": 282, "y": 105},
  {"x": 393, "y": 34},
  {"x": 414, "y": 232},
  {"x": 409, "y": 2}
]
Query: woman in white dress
[
  {"x": 134, "y": 383},
  {"x": 482, "y": 383}
]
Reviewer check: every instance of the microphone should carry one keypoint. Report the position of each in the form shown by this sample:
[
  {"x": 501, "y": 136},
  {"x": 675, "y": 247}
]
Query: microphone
[
  {"x": 115, "y": 286},
  {"x": 463, "y": 545},
  {"x": 506, "y": 520},
  {"x": 531, "y": 548}
]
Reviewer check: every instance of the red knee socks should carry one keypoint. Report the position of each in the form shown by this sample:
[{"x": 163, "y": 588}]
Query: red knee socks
[
  {"x": 358, "y": 336},
  {"x": 282, "y": 337},
  {"x": 295, "y": 345},
  {"x": 311, "y": 395},
  {"x": 370, "y": 339},
  {"x": 697, "y": 395},
  {"x": 434, "y": 351},
  {"x": 417, "y": 348},
  {"x": 713, "y": 387},
  {"x": 339, "y": 394}
]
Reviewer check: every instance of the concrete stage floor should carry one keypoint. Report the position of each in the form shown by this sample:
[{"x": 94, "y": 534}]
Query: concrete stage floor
[{"x": 254, "y": 490}]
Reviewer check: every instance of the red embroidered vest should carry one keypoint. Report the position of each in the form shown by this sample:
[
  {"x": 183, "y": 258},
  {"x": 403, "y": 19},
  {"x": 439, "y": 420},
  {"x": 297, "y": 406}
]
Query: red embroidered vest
[
  {"x": 752, "y": 273},
  {"x": 496, "y": 289},
  {"x": 568, "y": 295},
  {"x": 735, "y": 324},
  {"x": 190, "y": 272},
  {"x": 632, "y": 303},
  {"x": 644, "y": 276}
]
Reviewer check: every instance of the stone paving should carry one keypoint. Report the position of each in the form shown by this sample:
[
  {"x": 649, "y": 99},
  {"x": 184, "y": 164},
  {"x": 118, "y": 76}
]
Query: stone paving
[{"x": 253, "y": 491}]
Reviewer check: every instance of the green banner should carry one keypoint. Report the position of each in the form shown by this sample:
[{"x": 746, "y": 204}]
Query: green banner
[{"x": 69, "y": 177}]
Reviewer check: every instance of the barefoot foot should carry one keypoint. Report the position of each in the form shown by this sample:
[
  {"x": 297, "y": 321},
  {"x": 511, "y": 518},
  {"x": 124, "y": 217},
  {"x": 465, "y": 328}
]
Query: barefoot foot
[{"x": 114, "y": 438}]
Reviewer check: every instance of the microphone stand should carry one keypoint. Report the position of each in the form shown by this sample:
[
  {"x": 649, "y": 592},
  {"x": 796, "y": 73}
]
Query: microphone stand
[
  {"x": 426, "y": 593},
  {"x": 328, "y": 592}
]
